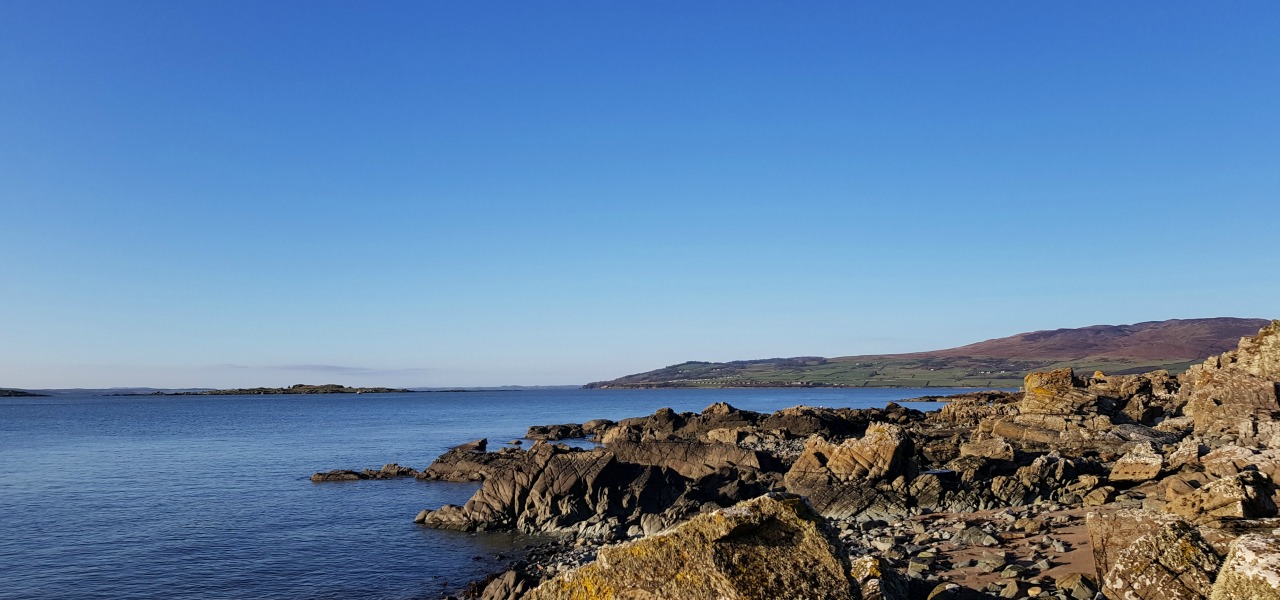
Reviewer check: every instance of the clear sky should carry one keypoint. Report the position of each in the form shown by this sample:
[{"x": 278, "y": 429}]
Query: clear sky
[{"x": 483, "y": 193}]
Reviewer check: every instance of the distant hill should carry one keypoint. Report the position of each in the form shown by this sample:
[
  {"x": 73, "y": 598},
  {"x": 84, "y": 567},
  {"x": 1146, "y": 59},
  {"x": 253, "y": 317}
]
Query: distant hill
[{"x": 1003, "y": 362}]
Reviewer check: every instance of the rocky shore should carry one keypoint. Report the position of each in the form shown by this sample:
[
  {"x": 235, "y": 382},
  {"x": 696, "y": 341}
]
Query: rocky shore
[{"x": 1153, "y": 486}]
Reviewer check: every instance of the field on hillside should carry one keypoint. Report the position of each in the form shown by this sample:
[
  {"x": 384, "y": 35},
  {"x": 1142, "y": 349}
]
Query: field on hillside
[{"x": 873, "y": 371}]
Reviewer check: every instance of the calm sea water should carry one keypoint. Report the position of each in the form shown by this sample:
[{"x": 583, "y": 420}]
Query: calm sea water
[{"x": 208, "y": 497}]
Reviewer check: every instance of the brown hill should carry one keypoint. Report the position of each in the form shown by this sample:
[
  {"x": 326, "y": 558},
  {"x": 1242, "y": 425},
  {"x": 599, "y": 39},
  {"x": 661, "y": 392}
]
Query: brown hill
[
  {"x": 1002, "y": 362},
  {"x": 1172, "y": 340}
]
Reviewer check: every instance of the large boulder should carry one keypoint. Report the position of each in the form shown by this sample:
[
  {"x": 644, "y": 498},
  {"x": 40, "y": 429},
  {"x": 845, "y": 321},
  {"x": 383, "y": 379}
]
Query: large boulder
[
  {"x": 1246, "y": 495},
  {"x": 837, "y": 478},
  {"x": 1252, "y": 569},
  {"x": 1141, "y": 555},
  {"x": 771, "y": 548},
  {"x": 1140, "y": 463}
]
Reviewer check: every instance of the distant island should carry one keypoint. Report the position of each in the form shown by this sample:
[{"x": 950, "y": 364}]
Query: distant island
[
  {"x": 301, "y": 388},
  {"x": 18, "y": 394},
  {"x": 1172, "y": 345}
]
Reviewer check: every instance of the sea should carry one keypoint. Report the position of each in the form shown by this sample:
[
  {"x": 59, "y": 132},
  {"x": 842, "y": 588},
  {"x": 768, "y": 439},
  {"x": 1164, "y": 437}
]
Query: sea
[{"x": 208, "y": 496}]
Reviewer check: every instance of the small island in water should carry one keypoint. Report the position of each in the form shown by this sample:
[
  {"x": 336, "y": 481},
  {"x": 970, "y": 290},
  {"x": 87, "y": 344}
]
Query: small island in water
[{"x": 301, "y": 388}]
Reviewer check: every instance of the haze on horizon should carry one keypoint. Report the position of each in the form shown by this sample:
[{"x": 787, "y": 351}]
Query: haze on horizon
[{"x": 238, "y": 194}]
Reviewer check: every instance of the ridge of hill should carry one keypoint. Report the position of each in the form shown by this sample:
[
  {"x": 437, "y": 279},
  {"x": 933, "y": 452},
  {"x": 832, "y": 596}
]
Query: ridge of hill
[{"x": 999, "y": 363}]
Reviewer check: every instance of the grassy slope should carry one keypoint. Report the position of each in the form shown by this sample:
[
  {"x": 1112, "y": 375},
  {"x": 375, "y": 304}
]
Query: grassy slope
[
  {"x": 877, "y": 371},
  {"x": 1112, "y": 349}
]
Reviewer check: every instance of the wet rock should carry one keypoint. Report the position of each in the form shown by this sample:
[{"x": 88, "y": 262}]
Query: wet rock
[
  {"x": 771, "y": 547},
  {"x": 388, "y": 471},
  {"x": 335, "y": 475}
]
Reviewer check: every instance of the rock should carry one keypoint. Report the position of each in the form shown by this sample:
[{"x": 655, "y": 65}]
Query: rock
[
  {"x": 1076, "y": 585},
  {"x": 1148, "y": 556},
  {"x": 388, "y": 471},
  {"x": 975, "y": 536},
  {"x": 472, "y": 446},
  {"x": 1057, "y": 392},
  {"x": 1234, "y": 397},
  {"x": 992, "y": 562},
  {"x": 511, "y": 585},
  {"x": 1251, "y": 571},
  {"x": 967, "y": 410},
  {"x": 773, "y": 547},
  {"x": 335, "y": 475},
  {"x": 467, "y": 463},
  {"x": 1187, "y": 452},
  {"x": 567, "y": 431},
  {"x": 1141, "y": 463},
  {"x": 993, "y": 448},
  {"x": 691, "y": 458},
  {"x": 557, "y": 489},
  {"x": 953, "y": 591},
  {"x": 835, "y": 477},
  {"x": 1099, "y": 496},
  {"x": 877, "y": 580},
  {"x": 1246, "y": 495}
]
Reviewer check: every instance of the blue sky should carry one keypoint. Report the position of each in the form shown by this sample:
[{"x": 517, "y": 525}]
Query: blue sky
[{"x": 221, "y": 194}]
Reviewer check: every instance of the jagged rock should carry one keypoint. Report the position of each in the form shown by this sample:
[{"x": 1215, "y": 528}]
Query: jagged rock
[
  {"x": 1142, "y": 555},
  {"x": 692, "y": 459},
  {"x": 567, "y": 431},
  {"x": 466, "y": 463},
  {"x": 773, "y": 547},
  {"x": 1246, "y": 495},
  {"x": 876, "y": 580},
  {"x": 1234, "y": 397},
  {"x": 1251, "y": 571},
  {"x": 1057, "y": 392},
  {"x": 1141, "y": 463},
  {"x": 472, "y": 446},
  {"x": 993, "y": 448},
  {"x": 975, "y": 536},
  {"x": 510, "y": 585},
  {"x": 1145, "y": 398},
  {"x": 390, "y": 471},
  {"x": 556, "y": 488},
  {"x": 1076, "y": 585},
  {"x": 967, "y": 410},
  {"x": 1171, "y": 562},
  {"x": 1187, "y": 452},
  {"x": 837, "y": 477}
]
